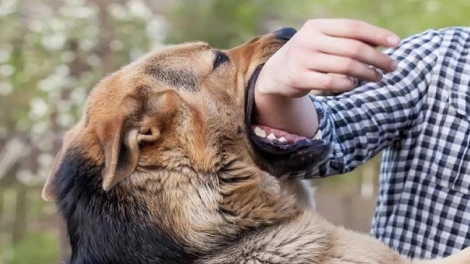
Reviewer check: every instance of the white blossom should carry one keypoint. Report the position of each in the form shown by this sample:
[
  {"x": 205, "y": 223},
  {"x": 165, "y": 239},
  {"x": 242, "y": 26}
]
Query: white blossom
[
  {"x": 65, "y": 120},
  {"x": 93, "y": 60},
  {"x": 6, "y": 70},
  {"x": 27, "y": 177},
  {"x": 6, "y": 88},
  {"x": 138, "y": 9},
  {"x": 433, "y": 5},
  {"x": 36, "y": 26},
  {"x": 39, "y": 128},
  {"x": 54, "y": 41},
  {"x": 46, "y": 159},
  {"x": 116, "y": 45},
  {"x": 4, "y": 55},
  {"x": 87, "y": 44},
  {"x": 55, "y": 97},
  {"x": 77, "y": 12},
  {"x": 39, "y": 108},
  {"x": 7, "y": 7},
  {"x": 117, "y": 11},
  {"x": 64, "y": 106},
  {"x": 78, "y": 94},
  {"x": 67, "y": 56}
]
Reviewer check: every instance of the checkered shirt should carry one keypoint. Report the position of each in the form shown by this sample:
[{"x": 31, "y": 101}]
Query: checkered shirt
[{"x": 419, "y": 116}]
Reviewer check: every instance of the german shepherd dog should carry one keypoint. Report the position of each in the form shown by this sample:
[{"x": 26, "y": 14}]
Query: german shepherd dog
[{"x": 165, "y": 167}]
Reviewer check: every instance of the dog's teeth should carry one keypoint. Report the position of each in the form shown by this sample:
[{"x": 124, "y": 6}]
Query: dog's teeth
[
  {"x": 260, "y": 132},
  {"x": 282, "y": 139},
  {"x": 272, "y": 136}
]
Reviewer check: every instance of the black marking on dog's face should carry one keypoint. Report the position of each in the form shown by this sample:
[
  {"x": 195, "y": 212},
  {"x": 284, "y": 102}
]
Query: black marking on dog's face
[
  {"x": 109, "y": 227},
  {"x": 180, "y": 79},
  {"x": 220, "y": 58}
]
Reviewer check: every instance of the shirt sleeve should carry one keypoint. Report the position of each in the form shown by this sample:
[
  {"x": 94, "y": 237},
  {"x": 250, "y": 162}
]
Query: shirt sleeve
[{"x": 362, "y": 122}]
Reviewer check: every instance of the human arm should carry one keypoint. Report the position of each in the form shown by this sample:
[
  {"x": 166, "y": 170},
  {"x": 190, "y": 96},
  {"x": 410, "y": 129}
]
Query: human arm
[
  {"x": 368, "y": 119},
  {"x": 321, "y": 47},
  {"x": 362, "y": 122}
]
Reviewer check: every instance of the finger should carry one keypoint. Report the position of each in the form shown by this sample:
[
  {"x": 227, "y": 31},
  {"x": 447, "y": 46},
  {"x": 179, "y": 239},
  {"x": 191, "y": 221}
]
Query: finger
[
  {"x": 327, "y": 63},
  {"x": 357, "y": 50},
  {"x": 311, "y": 80},
  {"x": 354, "y": 29},
  {"x": 353, "y": 79}
]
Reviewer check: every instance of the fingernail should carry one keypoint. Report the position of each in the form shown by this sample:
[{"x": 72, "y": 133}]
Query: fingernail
[
  {"x": 354, "y": 80},
  {"x": 378, "y": 76},
  {"x": 393, "y": 40},
  {"x": 393, "y": 66}
]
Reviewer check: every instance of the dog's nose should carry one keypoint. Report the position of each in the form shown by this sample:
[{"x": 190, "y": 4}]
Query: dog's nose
[{"x": 285, "y": 33}]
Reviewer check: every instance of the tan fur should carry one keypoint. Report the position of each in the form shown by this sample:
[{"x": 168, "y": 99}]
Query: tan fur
[
  {"x": 303, "y": 191},
  {"x": 190, "y": 161}
]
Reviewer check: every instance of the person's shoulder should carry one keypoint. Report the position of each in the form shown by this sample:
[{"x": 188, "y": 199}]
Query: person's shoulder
[
  {"x": 448, "y": 41},
  {"x": 453, "y": 29},
  {"x": 443, "y": 31},
  {"x": 452, "y": 36},
  {"x": 432, "y": 41},
  {"x": 448, "y": 35}
]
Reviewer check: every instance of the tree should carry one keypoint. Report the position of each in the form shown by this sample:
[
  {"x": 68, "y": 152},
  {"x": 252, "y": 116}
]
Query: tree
[{"x": 51, "y": 55}]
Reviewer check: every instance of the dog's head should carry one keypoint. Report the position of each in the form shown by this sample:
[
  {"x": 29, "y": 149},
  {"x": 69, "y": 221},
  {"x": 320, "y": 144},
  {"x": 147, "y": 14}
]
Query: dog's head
[
  {"x": 166, "y": 148},
  {"x": 186, "y": 106}
]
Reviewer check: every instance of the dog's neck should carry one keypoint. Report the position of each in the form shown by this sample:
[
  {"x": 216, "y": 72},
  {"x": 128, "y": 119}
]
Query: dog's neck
[
  {"x": 158, "y": 219},
  {"x": 216, "y": 208}
]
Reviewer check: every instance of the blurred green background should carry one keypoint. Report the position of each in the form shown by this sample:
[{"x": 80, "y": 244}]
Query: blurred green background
[{"x": 53, "y": 51}]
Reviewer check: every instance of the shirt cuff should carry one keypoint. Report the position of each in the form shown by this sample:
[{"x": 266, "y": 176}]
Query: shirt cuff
[{"x": 324, "y": 127}]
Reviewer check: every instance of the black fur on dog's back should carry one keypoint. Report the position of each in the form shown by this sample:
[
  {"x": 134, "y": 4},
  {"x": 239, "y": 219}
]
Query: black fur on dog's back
[{"x": 105, "y": 227}]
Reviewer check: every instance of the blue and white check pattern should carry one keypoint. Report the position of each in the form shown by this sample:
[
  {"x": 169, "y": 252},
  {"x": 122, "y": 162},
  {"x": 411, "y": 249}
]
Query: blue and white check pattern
[{"x": 419, "y": 116}]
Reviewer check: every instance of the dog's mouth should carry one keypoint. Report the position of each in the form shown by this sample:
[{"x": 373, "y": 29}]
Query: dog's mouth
[
  {"x": 276, "y": 137},
  {"x": 281, "y": 153}
]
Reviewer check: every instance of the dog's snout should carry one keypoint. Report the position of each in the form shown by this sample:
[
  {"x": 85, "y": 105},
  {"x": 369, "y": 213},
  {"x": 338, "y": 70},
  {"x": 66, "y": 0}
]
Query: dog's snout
[{"x": 285, "y": 33}]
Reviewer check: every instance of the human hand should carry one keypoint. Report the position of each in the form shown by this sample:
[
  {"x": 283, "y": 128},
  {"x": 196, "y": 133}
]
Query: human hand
[
  {"x": 323, "y": 54},
  {"x": 327, "y": 55}
]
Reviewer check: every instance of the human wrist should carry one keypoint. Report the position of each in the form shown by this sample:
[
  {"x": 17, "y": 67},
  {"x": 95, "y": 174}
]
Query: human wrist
[{"x": 294, "y": 115}]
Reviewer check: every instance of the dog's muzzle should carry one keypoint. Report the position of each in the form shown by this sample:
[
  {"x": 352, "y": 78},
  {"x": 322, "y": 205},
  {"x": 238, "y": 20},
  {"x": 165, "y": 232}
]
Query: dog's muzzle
[{"x": 284, "y": 159}]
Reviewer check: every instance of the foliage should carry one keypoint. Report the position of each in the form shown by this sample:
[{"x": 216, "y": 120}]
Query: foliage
[
  {"x": 405, "y": 17},
  {"x": 220, "y": 23},
  {"x": 51, "y": 55},
  {"x": 36, "y": 247}
]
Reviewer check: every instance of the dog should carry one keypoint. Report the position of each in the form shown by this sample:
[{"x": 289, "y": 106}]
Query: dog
[{"x": 165, "y": 166}]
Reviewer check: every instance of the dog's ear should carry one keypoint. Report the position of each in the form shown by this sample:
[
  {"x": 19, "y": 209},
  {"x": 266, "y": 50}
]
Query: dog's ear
[
  {"x": 120, "y": 149},
  {"x": 122, "y": 141},
  {"x": 138, "y": 120},
  {"x": 121, "y": 152}
]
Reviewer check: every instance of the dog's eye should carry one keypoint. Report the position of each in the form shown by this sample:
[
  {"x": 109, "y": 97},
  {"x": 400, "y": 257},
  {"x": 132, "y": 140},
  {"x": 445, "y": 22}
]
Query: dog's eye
[{"x": 220, "y": 58}]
